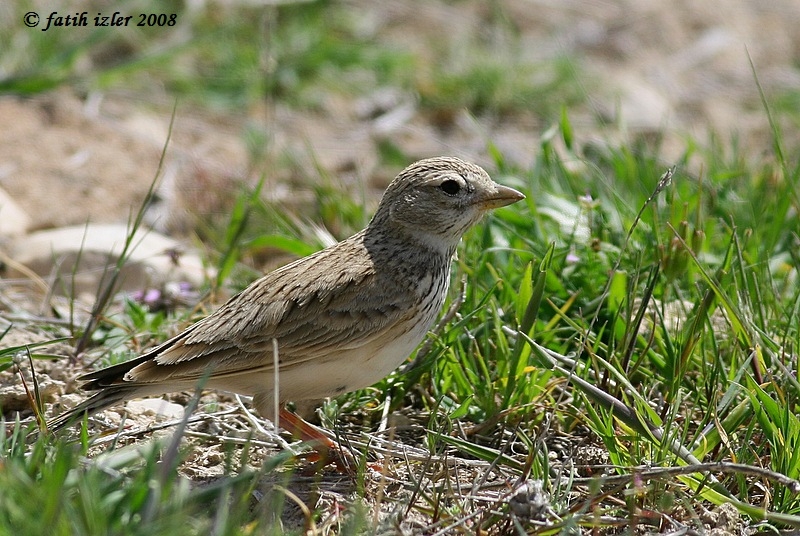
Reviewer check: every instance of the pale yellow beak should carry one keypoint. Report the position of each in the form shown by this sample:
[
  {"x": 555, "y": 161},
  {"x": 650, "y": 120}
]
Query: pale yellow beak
[{"x": 500, "y": 197}]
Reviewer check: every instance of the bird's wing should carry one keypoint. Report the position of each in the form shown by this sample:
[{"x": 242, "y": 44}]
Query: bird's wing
[{"x": 311, "y": 307}]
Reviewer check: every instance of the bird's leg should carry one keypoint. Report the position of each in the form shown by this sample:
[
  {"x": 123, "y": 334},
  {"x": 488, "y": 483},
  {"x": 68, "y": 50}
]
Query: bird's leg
[
  {"x": 325, "y": 447},
  {"x": 301, "y": 429}
]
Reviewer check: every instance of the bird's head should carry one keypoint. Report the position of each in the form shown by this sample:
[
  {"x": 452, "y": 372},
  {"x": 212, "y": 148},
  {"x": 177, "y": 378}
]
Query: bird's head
[{"x": 438, "y": 199}]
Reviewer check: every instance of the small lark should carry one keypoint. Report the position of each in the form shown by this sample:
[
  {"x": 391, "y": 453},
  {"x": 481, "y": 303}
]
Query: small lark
[{"x": 343, "y": 318}]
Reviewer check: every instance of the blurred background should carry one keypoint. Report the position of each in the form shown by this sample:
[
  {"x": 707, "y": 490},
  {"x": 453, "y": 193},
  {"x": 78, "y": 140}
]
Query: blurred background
[{"x": 342, "y": 95}]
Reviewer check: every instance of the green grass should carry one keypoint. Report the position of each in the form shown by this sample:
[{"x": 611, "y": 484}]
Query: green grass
[
  {"x": 51, "y": 487},
  {"x": 241, "y": 55},
  {"x": 670, "y": 312}
]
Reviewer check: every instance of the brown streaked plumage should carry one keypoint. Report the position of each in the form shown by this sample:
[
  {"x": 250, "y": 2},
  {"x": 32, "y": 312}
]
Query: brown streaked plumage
[{"x": 343, "y": 318}]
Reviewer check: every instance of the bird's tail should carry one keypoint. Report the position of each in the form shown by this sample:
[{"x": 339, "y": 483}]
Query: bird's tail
[
  {"x": 111, "y": 387},
  {"x": 97, "y": 402}
]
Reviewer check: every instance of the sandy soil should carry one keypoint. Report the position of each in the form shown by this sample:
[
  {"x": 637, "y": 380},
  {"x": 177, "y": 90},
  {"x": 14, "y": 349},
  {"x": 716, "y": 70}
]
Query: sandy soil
[{"x": 677, "y": 68}]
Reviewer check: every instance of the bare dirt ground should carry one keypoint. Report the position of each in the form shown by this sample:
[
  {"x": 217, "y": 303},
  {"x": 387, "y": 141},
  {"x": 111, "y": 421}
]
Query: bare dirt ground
[
  {"x": 669, "y": 68},
  {"x": 678, "y": 69}
]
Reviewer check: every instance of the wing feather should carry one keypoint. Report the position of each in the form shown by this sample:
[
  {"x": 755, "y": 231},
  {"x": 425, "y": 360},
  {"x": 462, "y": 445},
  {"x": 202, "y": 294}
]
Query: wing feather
[{"x": 309, "y": 308}]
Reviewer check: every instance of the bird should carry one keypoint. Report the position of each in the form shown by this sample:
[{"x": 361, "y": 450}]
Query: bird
[{"x": 332, "y": 322}]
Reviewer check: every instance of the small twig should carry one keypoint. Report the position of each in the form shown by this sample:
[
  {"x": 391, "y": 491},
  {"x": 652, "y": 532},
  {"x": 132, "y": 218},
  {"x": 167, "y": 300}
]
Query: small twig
[
  {"x": 311, "y": 526},
  {"x": 381, "y": 492},
  {"x": 387, "y": 447},
  {"x": 136, "y": 433},
  {"x": 384, "y": 424},
  {"x": 36, "y": 319},
  {"x": 25, "y": 271},
  {"x": 705, "y": 467},
  {"x": 447, "y": 529},
  {"x": 231, "y": 439},
  {"x": 255, "y": 422}
]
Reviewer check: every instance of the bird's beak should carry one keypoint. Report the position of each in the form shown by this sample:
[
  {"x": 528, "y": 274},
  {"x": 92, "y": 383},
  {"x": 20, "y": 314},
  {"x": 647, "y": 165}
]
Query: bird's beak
[{"x": 500, "y": 197}]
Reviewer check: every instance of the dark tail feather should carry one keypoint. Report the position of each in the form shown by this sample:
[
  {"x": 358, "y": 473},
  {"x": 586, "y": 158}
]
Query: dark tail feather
[
  {"x": 112, "y": 387},
  {"x": 113, "y": 375},
  {"x": 105, "y": 398}
]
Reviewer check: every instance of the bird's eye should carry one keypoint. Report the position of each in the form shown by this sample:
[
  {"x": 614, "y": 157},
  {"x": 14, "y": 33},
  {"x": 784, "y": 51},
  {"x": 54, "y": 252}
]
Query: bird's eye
[{"x": 450, "y": 187}]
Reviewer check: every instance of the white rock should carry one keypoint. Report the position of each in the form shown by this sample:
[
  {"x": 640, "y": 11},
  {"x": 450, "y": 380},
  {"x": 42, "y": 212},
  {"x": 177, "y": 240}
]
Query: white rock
[
  {"x": 153, "y": 260},
  {"x": 13, "y": 220},
  {"x": 157, "y": 407}
]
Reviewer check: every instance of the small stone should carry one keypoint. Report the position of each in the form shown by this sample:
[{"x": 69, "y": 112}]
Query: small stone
[
  {"x": 157, "y": 407},
  {"x": 530, "y": 501},
  {"x": 14, "y": 397},
  {"x": 13, "y": 220},
  {"x": 153, "y": 259}
]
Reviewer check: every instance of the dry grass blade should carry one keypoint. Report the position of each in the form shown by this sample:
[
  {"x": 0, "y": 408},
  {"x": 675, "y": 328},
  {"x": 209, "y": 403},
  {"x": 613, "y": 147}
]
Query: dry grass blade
[{"x": 108, "y": 285}]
